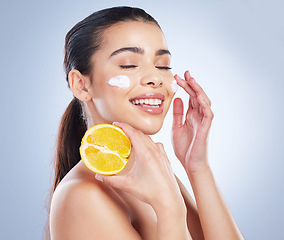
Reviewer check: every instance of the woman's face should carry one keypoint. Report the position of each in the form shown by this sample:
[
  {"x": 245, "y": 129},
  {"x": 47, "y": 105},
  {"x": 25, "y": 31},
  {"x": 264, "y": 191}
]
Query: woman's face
[{"x": 131, "y": 79}]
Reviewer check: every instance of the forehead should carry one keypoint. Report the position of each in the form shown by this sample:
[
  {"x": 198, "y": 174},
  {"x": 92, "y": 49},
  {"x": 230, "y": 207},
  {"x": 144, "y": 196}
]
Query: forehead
[{"x": 133, "y": 33}]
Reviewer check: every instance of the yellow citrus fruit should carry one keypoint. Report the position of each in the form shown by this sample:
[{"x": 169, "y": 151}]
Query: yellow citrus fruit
[{"x": 105, "y": 149}]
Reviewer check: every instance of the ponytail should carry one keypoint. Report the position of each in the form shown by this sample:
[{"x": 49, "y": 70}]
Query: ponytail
[{"x": 71, "y": 131}]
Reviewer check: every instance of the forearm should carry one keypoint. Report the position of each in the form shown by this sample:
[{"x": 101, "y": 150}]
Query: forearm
[
  {"x": 215, "y": 217},
  {"x": 171, "y": 223}
]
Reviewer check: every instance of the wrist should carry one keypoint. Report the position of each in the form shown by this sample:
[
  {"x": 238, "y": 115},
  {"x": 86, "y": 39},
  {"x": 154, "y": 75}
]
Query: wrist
[
  {"x": 174, "y": 208},
  {"x": 197, "y": 169},
  {"x": 202, "y": 178},
  {"x": 171, "y": 222}
]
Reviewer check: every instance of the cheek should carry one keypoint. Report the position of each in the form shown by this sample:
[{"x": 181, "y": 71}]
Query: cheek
[
  {"x": 171, "y": 85},
  {"x": 174, "y": 86},
  {"x": 121, "y": 81}
]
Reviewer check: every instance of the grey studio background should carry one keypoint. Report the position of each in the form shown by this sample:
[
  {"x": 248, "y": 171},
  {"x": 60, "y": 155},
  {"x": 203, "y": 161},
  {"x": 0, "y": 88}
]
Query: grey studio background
[{"x": 234, "y": 49}]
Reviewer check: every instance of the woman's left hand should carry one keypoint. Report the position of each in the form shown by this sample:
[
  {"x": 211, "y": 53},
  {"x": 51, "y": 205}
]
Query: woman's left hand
[{"x": 189, "y": 138}]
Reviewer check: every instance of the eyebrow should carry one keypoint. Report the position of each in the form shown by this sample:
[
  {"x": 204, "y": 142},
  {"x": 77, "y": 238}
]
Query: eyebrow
[
  {"x": 139, "y": 50},
  {"x": 128, "y": 49},
  {"x": 162, "y": 52}
]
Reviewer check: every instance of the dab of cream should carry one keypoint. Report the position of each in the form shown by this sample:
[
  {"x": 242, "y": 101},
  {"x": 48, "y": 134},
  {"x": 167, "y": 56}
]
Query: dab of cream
[
  {"x": 120, "y": 81},
  {"x": 174, "y": 86}
]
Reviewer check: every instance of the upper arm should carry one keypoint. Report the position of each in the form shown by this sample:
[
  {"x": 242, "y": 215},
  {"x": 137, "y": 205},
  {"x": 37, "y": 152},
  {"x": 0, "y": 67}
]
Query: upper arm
[
  {"x": 85, "y": 213},
  {"x": 193, "y": 221}
]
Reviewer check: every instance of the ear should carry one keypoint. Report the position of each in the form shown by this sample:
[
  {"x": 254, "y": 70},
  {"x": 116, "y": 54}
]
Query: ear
[{"x": 79, "y": 85}]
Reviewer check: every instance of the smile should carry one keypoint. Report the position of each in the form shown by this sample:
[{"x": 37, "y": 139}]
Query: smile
[{"x": 150, "y": 102}]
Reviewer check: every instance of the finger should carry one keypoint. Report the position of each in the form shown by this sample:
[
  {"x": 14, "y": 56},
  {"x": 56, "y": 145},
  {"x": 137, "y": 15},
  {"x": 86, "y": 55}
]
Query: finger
[
  {"x": 196, "y": 87},
  {"x": 162, "y": 149},
  {"x": 185, "y": 86},
  {"x": 124, "y": 183},
  {"x": 130, "y": 131},
  {"x": 208, "y": 114},
  {"x": 138, "y": 139},
  {"x": 165, "y": 157},
  {"x": 177, "y": 113},
  {"x": 194, "y": 103}
]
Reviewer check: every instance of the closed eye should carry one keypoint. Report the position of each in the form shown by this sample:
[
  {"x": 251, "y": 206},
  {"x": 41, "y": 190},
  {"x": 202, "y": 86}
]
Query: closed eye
[
  {"x": 127, "y": 66},
  {"x": 164, "y": 67}
]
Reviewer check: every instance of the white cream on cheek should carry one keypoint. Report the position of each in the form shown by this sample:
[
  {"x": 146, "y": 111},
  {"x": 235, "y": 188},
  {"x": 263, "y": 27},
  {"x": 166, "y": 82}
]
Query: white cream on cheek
[
  {"x": 123, "y": 82},
  {"x": 120, "y": 81},
  {"x": 174, "y": 86}
]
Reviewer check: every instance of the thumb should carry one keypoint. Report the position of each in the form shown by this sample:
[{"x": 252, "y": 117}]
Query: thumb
[
  {"x": 177, "y": 113},
  {"x": 113, "y": 180}
]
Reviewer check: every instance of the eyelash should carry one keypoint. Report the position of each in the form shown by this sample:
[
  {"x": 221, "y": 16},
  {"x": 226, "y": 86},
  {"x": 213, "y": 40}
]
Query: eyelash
[
  {"x": 128, "y": 66},
  {"x": 164, "y": 68},
  {"x": 134, "y": 66}
]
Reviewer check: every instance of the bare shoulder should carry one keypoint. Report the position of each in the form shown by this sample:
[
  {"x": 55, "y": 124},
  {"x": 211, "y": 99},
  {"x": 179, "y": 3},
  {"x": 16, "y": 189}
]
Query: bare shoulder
[{"x": 83, "y": 208}]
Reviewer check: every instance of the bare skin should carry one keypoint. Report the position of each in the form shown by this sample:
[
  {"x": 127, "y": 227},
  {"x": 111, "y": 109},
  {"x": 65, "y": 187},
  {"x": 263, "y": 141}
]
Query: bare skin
[
  {"x": 147, "y": 201},
  {"x": 125, "y": 215}
]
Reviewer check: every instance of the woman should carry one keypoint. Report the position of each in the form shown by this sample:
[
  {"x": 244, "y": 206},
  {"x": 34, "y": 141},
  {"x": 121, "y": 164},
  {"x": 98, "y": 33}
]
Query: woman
[{"x": 147, "y": 201}]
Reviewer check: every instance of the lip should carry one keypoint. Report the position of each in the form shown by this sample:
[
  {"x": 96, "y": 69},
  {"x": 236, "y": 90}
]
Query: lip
[
  {"x": 149, "y": 96},
  {"x": 147, "y": 108}
]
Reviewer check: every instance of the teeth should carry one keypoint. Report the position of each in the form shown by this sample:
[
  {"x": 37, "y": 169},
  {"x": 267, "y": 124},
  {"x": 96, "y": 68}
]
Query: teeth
[{"x": 152, "y": 102}]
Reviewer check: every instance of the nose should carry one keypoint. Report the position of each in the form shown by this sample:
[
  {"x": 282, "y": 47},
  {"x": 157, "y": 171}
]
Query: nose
[{"x": 152, "y": 79}]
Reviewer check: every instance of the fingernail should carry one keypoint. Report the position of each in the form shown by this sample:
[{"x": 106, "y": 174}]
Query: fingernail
[
  {"x": 201, "y": 97},
  {"x": 99, "y": 177},
  {"x": 192, "y": 79}
]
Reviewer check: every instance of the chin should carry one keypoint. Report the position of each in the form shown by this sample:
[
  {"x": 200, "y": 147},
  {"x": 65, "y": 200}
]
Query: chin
[{"x": 148, "y": 128}]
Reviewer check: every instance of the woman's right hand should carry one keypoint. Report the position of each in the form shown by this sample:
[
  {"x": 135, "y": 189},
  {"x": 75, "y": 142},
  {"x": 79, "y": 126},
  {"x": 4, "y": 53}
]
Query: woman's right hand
[{"x": 151, "y": 179}]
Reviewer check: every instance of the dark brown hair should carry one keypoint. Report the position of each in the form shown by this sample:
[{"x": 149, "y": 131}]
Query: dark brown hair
[{"x": 81, "y": 43}]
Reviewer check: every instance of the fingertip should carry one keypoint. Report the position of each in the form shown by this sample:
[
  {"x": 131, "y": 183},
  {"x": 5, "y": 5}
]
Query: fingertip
[
  {"x": 177, "y": 77},
  {"x": 187, "y": 74},
  {"x": 177, "y": 102},
  {"x": 118, "y": 124},
  {"x": 178, "y": 107},
  {"x": 99, "y": 177},
  {"x": 177, "y": 99}
]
